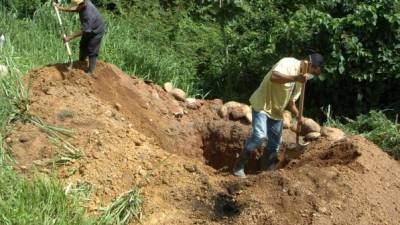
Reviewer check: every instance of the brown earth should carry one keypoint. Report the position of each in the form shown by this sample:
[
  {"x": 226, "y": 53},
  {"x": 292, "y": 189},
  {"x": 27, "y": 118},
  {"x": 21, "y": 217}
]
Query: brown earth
[{"x": 133, "y": 133}]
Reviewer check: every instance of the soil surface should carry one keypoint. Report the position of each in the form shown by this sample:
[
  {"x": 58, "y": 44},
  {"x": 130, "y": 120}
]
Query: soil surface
[{"x": 135, "y": 134}]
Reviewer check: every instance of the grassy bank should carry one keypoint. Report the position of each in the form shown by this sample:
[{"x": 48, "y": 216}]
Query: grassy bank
[
  {"x": 39, "y": 200},
  {"x": 127, "y": 43},
  {"x": 42, "y": 199},
  {"x": 374, "y": 126}
]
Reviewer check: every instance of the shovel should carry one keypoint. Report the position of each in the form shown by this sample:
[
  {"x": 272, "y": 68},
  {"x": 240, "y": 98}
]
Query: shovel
[
  {"x": 300, "y": 145},
  {"x": 64, "y": 35}
]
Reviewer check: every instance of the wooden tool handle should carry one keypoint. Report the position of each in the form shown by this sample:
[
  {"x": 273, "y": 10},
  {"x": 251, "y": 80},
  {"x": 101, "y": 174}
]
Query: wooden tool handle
[
  {"x": 301, "y": 103},
  {"x": 63, "y": 31}
]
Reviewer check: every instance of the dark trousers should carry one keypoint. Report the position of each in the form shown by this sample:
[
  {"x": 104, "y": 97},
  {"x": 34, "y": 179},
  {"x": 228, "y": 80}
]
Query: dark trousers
[{"x": 89, "y": 45}]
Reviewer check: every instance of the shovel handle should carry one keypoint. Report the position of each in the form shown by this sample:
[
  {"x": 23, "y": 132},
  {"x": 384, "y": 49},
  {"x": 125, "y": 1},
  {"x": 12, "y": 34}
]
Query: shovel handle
[
  {"x": 63, "y": 32},
  {"x": 301, "y": 103}
]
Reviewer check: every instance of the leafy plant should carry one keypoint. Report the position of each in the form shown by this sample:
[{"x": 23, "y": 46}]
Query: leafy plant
[
  {"x": 374, "y": 126},
  {"x": 126, "y": 207}
]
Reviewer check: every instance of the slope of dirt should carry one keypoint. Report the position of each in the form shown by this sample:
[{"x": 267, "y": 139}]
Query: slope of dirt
[{"x": 133, "y": 133}]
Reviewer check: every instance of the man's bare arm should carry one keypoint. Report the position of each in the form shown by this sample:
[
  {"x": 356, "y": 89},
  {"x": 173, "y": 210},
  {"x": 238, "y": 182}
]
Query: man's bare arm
[
  {"x": 65, "y": 9},
  {"x": 292, "y": 108},
  {"x": 73, "y": 36},
  {"x": 278, "y": 77}
]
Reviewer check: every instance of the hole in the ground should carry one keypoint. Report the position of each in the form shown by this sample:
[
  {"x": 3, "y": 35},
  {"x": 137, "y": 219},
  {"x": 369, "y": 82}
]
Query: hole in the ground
[
  {"x": 223, "y": 141},
  {"x": 222, "y": 144},
  {"x": 226, "y": 206}
]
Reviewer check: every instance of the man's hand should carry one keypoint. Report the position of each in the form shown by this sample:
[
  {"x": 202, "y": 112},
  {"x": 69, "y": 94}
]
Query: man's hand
[
  {"x": 67, "y": 39},
  {"x": 55, "y": 4},
  {"x": 304, "y": 77},
  {"x": 300, "y": 122}
]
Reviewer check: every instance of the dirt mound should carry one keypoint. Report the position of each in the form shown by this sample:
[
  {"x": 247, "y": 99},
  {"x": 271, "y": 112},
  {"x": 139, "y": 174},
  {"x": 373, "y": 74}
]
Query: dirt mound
[{"x": 130, "y": 129}]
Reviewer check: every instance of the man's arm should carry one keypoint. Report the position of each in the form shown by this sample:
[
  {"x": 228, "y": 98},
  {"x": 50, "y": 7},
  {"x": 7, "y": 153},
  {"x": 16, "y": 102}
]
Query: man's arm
[
  {"x": 281, "y": 78},
  {"x": 64, "y": 9},
  {"x": 293, "y": 109},
  {"x": 73, "y": 36}
]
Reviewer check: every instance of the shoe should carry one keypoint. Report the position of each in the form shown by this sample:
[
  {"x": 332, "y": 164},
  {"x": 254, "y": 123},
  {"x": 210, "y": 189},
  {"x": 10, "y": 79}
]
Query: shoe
[{"x": 238, "y": 169}]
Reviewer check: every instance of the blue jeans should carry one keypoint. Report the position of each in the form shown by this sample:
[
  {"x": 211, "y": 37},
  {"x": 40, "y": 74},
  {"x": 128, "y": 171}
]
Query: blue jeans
[{"x": 265, "y": 128}]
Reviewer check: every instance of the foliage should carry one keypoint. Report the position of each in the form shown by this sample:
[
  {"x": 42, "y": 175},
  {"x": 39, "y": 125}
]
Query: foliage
[
  {"x": 376, "y": 127},
  {"x": 37, "y": 201},
  {"x": 226, "y": 47},
  {"x": 125, "y": 208}
]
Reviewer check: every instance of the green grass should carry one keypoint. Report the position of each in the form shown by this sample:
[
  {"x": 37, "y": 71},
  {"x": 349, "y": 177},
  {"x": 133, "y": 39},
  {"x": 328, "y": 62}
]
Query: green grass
[
  {"x": 40, "y": 200},
  {"x": 374, "y": 126},
  {"x": 37, "y": 201},
  {"x": 127, "y": 43},
  {"x": 125, "y": 208}
]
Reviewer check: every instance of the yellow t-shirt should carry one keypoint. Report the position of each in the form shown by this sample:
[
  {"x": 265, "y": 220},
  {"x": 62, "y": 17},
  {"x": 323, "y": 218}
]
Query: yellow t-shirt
[{"x": 272, "y": 98}]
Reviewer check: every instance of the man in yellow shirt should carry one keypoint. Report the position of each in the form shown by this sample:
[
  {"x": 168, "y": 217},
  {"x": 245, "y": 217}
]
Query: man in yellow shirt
[{"x": 278, "y": 91}]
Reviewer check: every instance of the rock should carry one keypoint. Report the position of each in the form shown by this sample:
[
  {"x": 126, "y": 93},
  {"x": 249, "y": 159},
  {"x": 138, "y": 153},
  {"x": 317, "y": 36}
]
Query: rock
[
  {"x": 190, "y": 168},
  {"x": 191, "y": 103},
  {"x": 332, "y": 134},
  {"x": 142, "y": 172},
  {"x": 3, "y": 70},
  {"x": 168, "y": 86},
  {"x": 287, "y": 119},
  {"x": 109, "y": 113},
  {"x": 322, "y": 210},
  {"x": 236, "y": 110},
  {"x": 223, "y": 111},
  {"x": 23, "y": 138},
  {"x": 138, "y": 142},
  {"x": 117, "y": 106},
  {"x": 237, "y": 113},
  {"x": 8, "y": 140},
  {"x": 312, "y": 136},
  {"x": 177, "y": 112},
  {"x": 310, "y": 126},
  {"x": 216, "y": 101},
  {"x": 249, "y": 116},
  {"x": 232, "y": 104},
  {"x": 179, "y": 94}
]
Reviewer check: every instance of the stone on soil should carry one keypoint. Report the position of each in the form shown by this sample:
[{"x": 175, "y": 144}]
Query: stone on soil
[
  {"x": 332, "y": 134},
  {"x": 168, "y": 86},
  {"x": 178, "y": 94},
  {"x": 312, "y": 136}
]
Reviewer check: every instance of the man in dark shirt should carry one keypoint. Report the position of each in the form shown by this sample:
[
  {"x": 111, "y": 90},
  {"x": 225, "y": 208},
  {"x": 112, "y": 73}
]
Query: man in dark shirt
[{"x": 92, "y": 30}]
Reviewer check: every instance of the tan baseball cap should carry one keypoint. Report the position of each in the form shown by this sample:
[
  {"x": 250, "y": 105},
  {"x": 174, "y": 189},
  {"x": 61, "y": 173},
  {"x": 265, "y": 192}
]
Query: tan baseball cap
[{"x": 75, "y": 3}]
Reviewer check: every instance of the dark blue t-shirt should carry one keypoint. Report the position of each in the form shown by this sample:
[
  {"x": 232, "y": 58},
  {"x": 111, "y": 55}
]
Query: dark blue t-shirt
[{"x": 91, "y": 20}]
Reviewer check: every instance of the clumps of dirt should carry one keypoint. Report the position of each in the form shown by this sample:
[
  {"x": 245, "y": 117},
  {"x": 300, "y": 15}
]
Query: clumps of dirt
[
  {"x": 136, "y": 134},
  {"x": 325, "y": 153}
]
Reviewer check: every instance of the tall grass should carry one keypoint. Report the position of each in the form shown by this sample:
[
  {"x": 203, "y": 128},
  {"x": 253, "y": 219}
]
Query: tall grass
[
  {"x": 374, "y": 126},
  {"x": 127, "y": 43},
  {"x": 40, "y": 200},
  {"x": 37, "y": 201}
]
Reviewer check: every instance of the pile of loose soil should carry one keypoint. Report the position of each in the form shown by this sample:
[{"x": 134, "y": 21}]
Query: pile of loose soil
[{"x": 135, "y": 134}]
